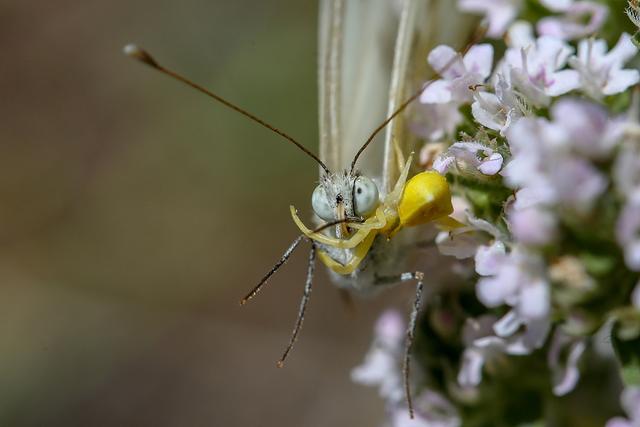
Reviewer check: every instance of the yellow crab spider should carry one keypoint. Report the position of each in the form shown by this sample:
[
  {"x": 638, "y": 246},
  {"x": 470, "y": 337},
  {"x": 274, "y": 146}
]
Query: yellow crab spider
[{"x": 424, "y": 198}]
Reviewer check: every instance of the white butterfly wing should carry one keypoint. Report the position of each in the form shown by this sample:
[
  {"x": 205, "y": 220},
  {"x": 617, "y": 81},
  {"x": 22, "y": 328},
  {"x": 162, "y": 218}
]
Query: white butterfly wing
[
  {"x": 424, "y": 24},
  {"x": 355, "y": 61},
  {"x": 372, "y": 57}
]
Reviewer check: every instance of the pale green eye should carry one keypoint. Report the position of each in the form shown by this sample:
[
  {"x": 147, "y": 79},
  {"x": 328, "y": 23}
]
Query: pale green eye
[
  {"x": 365, "y": 196},
  {"x": 320, "y": 204}
]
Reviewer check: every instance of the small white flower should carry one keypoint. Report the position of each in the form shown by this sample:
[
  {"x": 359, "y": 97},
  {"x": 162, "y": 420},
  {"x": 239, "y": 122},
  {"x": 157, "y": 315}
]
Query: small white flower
[
  {"x": 460, "y": 74},
  {"x": 464, "y": 242},
  {"x": 500, "y": 13},
  {"x": 516, "y": 279},
  {"x": 630, "y": 400},
  {"x": 628, "y": 231},
  {"x": 436, "y": 122},
  {"x": 536, "y": 71},
  {"x": 475, "y": 358},
  {"x": 546, "y": 168},
  {"x": 500, "y": 110},
  {"x": 431, "y": 410},
  {"x": 601, "y": 72},
  {"x": 626, "y": 170},
  {"x": 580, "y": 19},
  {"x": 460, "y": 243},
  {"x": 591, "y": 132},
  {"x": 518, "y": 341},
  {"x": 533, "y": 225},
  {"x": 565, "y": 372},
  {"x": 488, "y": 339},
  {"x": 520, "y": 35},
  {"x": 557, "y": 5},
  {"x": 473, "y": 155}
]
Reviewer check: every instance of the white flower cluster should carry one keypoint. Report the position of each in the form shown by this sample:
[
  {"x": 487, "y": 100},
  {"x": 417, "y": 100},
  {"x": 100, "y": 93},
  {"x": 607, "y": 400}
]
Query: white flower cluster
[{"x": 546, "y": 180}]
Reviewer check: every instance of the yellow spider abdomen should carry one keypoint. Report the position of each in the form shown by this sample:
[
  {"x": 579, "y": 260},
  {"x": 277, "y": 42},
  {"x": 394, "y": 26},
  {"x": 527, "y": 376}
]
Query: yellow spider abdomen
[{"x": 426, "y": 197}]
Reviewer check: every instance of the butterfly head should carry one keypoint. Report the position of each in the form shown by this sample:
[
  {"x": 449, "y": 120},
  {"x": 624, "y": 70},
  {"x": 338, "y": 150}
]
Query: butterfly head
[{"x": 344, "y": 195}]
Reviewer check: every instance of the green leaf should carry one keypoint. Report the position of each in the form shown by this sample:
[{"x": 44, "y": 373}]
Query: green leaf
[
  {"x": 631, "y": 373},
  {"x": 597, "y": 265}
]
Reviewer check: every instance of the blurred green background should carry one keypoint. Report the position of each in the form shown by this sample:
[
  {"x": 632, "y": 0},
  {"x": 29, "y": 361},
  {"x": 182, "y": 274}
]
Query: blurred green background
[{"x": 135, "y": 213}]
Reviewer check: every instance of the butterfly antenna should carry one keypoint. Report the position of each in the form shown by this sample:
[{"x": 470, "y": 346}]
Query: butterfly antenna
[
  {"x": 384, "y": 124},
  {"x": 143, "y": 56},
  {"x": 478, "y": 35}
]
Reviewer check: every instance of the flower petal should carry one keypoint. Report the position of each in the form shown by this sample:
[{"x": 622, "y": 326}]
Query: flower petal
[
  {"x": 572, "y": 373},
  {"x": 534, "y": 300},
  {"x": 489, "y": 259},
  {"x": 494, "y": 291},
  {"x": 620, "y": 81},
  {"x": 520, "y": 35},
  {"x": 508, "y": 324},
  {"x": 563, "y": 82},
  {"x": 479, "y": 59},
  {"x": 623, "y": 51},
  {"x": 438, "y": 92},
  {"x": 533, "y": 225},
  {"x": 487, "y": 111},
  {"x": 446, "y": 62},
  {"x": 492, "y": 164},
  {"x": 470, "y": 374},
  {"x": 557, "y": 5}
]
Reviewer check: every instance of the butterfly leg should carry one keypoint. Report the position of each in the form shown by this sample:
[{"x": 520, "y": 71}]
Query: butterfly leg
[
  {"x": 285, "y": 257},
  {"x": 411, "y": 329},
  {"x": 303, "y": 304}
]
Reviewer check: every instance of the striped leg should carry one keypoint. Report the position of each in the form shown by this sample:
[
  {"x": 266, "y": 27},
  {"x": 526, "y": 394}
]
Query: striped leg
[
  {"x": 303, "y": 304},
  {"x": 411, "y": 329},
  {"x": 285, "y": 257},
  {"x": 417, "y": 303}
]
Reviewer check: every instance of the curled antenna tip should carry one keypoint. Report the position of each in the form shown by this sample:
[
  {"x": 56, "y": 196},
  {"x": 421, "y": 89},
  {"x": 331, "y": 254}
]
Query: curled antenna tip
[
  {"x": 243, "y": 302},
  {"x": 135, "y": 52}
]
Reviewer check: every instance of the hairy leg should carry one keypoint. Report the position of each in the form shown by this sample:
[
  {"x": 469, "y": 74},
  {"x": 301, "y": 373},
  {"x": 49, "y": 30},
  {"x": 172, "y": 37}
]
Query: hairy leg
[
  {"x": 411, "y": 328},
  {"x": 285, "y": 257},
  {"x": 303, "y": 304}
]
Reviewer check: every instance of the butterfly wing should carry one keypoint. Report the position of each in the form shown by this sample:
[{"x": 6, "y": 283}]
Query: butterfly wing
[
  {"x": 355, "y": 60},
  {"x": 423, "y": 25},
  {"x": 372, "y": 57}
]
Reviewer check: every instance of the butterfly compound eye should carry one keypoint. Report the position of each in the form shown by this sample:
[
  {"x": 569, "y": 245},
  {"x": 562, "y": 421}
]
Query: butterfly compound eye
[
  {"x": 320, "y": 204},
  {"x": 365, "y": 196}
]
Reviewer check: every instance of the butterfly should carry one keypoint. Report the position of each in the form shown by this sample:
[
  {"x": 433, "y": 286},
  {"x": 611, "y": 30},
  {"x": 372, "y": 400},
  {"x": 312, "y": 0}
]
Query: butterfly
[{"x": 372, "y": 67}]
